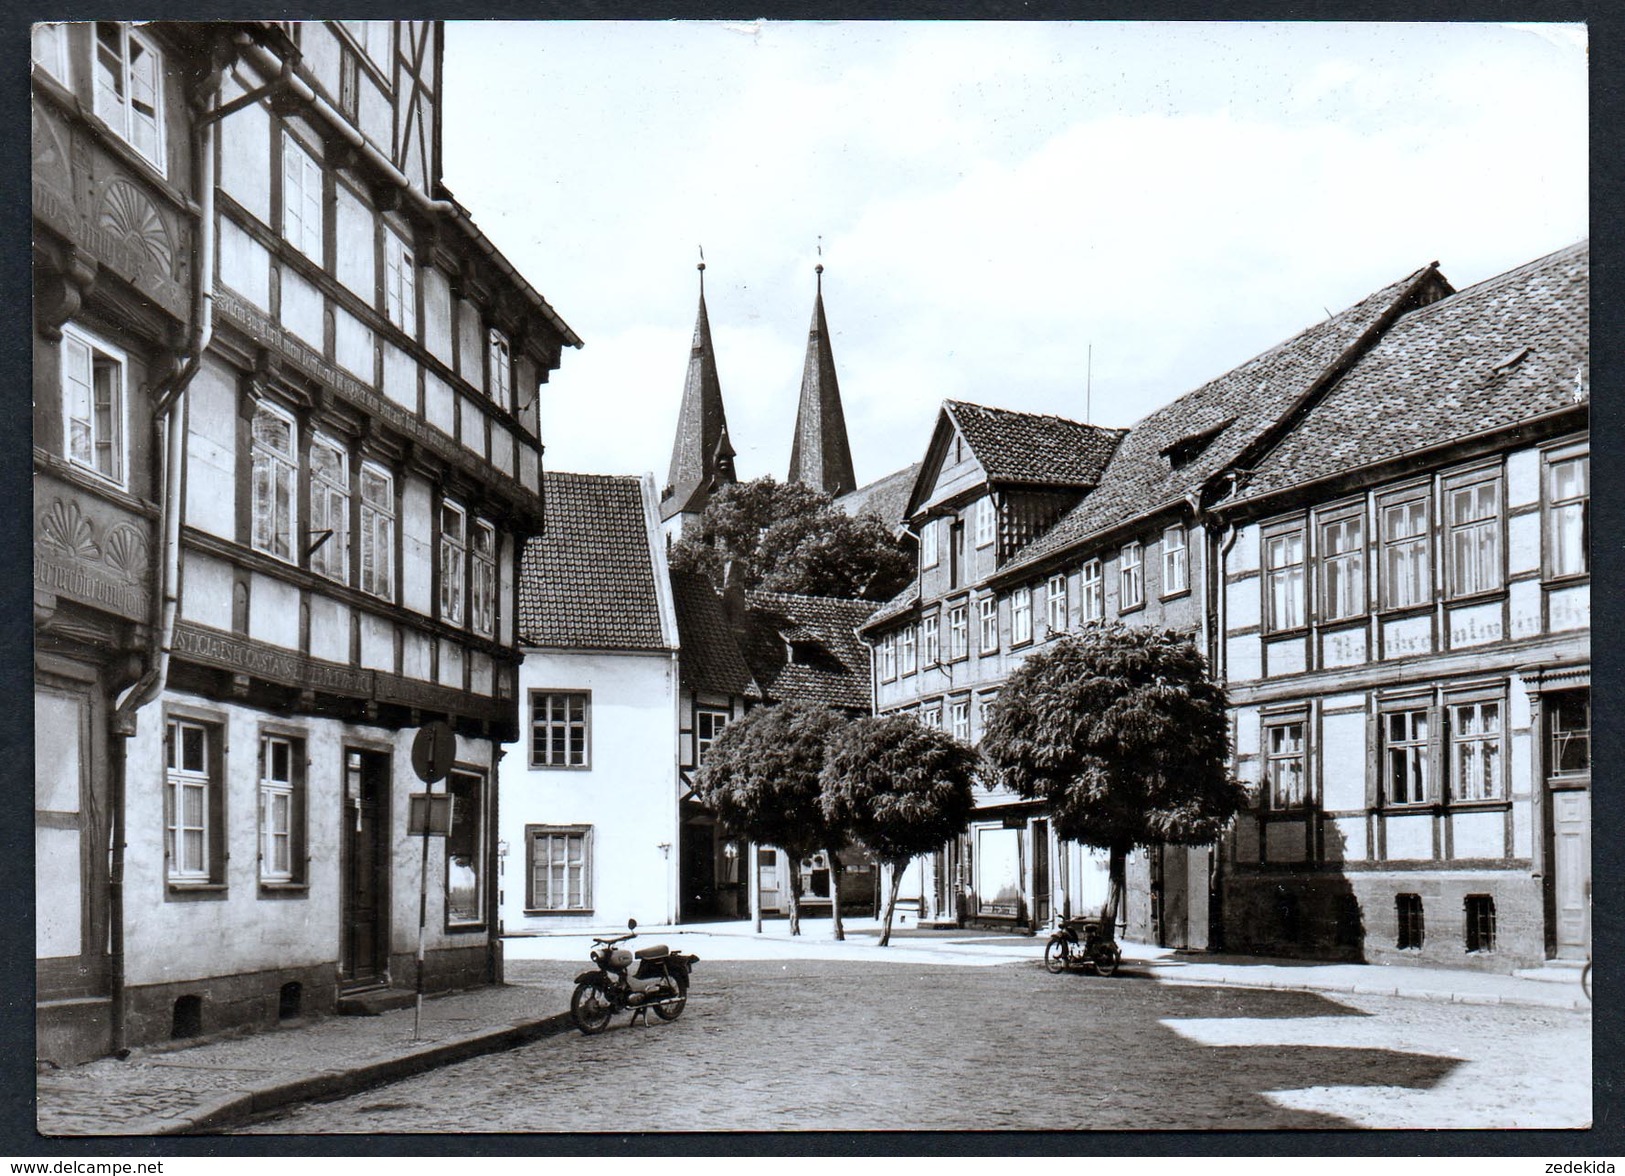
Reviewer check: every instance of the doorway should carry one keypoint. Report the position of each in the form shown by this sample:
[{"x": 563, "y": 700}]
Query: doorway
[
  {"x": 1041, "y": 875},
  {"x": 364, "y": 869},
  {"x": 1568, "y": 789}
]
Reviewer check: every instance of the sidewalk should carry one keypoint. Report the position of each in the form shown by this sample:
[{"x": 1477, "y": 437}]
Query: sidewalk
[{"x": 215, "y": 1084}]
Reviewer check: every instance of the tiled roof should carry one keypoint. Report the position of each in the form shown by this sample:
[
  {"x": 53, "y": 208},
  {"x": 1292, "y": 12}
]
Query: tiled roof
[
  {"x": 837, "y": 668},
  {"x": 1503, "y": 351},
  {"x": 1033, "y": 448},
  {"x": 1253, "y": 397},
  {"x": 885, "y": 498},
  {"x": 709, "y": 658},
  {"x": 588, "y": 582},
  {"x": 897, "y": 605}
]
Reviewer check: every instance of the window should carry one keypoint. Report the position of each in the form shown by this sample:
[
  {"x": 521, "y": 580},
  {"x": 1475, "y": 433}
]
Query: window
[
  {"x": 465, "y": 840},
  {"x": 1283, "y": 579},
  {"x": 282, "y": 809},
  {"x": 1568, "y": 725},
  {"x": 400, "y": 284},
  {"x": 192, "y": 820},
  {"x": 1408, "y": 917},
  {"x": 905, "y": 651},
  {"x": 500, "y": 381},
  {"x": 377, "y": 531},
  {"x": 93, "y": 404},
  {"x": 1176, "y": 576},
  {"x": 274, "y": 456},
  {"x": 928, "y": 543},
  {"x": 1406, "y": 578},
  {"x": 959, "y": 720},
  {"x": 987, "y": 521},
  {"x": 560, "y": 871},
  {"x": 453, "y": 547},
  {"x": 1568, "y": 516},
  {"x": 958, "y": 632},
  {"x": 1473, "y": 547},
  {"x": 558, "y": 730},
  {"x": 708, "y": 724},
  {"x": 1021, "y": 616},
  {"x": 51, "y": 49},
  {"x": 1092, "y": 591},
  {"x": 987, "y": 616},
  {"x": 888, "y": 657},
  {"x": 329, "y": 542},
  {"x": 1055, "y": 605},
  {"x": 956, "y": 554},
  {"x": 301, "y": 199},
  {"x": 128, "y": 95},
  {"x": 1479, "y": 916},
  {"x": 1406, "y": 774},
  {"x": 930, "y": 642},
  {"x": 931, "y": 716},
  {"x": 372, "y": 37},
  {"x": 1131, "y": 577},
  {"x": 482, "y": 587},
  {"x": 1342, "y": 568},
  {"x": 1284, "y": 765},
  {"x": 1475, "y": 752}
]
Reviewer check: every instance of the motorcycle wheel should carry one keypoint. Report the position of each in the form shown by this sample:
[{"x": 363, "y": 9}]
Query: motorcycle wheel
[
  {"x": 1107, "y": 959},
  {"x": 670, "y": 1012},
  {"x": 1056, "y": 956},
  {"x": 590, "y": 1008}
]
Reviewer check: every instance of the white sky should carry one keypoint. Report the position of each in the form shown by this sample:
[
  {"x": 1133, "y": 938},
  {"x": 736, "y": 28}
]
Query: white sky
[{"x": 992, "y": 198}]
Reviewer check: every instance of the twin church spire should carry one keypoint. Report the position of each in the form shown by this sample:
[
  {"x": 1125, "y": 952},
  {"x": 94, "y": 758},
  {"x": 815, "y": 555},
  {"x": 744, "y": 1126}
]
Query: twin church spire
[{"x": 702, "y": 456}]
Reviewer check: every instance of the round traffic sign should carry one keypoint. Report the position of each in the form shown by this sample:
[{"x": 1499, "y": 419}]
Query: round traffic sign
[{"x": 434, "y": 748}]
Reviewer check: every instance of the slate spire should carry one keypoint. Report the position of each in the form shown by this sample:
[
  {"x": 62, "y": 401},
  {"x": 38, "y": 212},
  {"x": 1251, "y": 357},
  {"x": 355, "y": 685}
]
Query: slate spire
[
  {"x": 702, "y": 456},
  {"x": 820, "y": 455}
]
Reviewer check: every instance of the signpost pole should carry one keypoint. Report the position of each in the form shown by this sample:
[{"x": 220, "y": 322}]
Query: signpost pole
[{"x": 433, "y": 750}]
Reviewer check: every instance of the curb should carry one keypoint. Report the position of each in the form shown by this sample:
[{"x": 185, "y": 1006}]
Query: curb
[
  {"x": 1577, "y": 1004},
  {"x": 319, "y": 1085}
]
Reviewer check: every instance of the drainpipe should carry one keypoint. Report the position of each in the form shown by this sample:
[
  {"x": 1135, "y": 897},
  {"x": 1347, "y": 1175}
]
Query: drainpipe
[{"x": 169, "y": 416}]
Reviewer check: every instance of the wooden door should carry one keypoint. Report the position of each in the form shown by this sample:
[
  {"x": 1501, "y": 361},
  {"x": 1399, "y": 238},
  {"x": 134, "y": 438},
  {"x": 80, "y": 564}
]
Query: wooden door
[
  {"x": 1041, "y": 878},
  {"x": 364, "y": 867},
  {"x": 1571, "y": 871}
]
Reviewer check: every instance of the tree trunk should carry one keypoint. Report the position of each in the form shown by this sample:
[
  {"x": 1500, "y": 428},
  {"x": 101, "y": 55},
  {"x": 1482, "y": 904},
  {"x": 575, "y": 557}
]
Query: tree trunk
[
  {"x": 835, "y": 894},
  {"x": 891, "y": 900},
  {"x": 795, "y": 895},
  {"x": 1116, "y": 887},
  {"x": 753, "y": 883}
]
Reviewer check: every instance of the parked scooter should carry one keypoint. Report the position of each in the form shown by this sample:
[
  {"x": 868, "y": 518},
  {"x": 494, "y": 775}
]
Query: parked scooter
[
  {"x": 660, "y": 983},
  {"x": 1083, "y": 940}
]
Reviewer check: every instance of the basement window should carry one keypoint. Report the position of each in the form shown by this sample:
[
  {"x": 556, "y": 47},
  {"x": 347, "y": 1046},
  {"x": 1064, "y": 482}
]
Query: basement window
[
  {"x": 1408, "y": 914},
  {"x": 1480, "y": 918}
]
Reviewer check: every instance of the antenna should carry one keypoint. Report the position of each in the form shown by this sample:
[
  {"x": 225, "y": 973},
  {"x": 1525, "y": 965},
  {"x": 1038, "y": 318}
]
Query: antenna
[
  {"x": 701, "y": 268},
  {"x": 819, "y": 268},
  {"x": 1089, "y": 385}
]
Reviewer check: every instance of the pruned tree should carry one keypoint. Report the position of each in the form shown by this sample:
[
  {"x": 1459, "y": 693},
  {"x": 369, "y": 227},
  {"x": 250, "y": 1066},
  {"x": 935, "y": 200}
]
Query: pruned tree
[
  {"x": 787, "y": 537},
  {"x": 1123, "y": 733},
  {"x": 901, "y": 788},
  {"x": 762, "y": 778}
]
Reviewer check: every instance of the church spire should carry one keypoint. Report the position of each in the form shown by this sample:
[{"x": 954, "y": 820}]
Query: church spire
[
  {"x": 820, "y": 455},
  {"x": 702, "y": 455}
]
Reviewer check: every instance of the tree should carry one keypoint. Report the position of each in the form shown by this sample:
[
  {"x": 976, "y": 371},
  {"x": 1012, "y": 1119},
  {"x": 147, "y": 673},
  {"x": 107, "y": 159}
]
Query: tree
[
  {"x": 1122, "y": 732},
  {"x": 762, "y": 779},
  {"x": 787, "y": 537},
  {"x": 901, "y": 788}
]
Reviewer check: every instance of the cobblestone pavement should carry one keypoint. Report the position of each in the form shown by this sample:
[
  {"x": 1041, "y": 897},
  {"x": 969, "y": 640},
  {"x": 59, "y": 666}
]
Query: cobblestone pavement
[{"x": 851, "y": 1045}]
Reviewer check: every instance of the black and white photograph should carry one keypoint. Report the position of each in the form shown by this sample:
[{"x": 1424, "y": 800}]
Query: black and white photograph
[{"x": 734, "y": 576}]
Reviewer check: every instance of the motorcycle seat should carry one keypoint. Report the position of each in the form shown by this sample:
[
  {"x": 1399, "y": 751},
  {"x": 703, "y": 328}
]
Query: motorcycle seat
[{"x": 658, "y": 952}]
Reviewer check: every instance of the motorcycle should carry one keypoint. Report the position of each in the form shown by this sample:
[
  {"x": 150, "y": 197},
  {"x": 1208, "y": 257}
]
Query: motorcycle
[
  {"x": 660, "y": 983},
  {"x": 1083, "y": 940}
]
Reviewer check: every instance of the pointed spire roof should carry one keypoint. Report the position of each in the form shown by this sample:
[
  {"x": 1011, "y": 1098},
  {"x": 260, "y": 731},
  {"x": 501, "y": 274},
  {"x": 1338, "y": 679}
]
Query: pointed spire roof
[
  {"x": 702, "y": 455},
  {"x": 820, "y": 455}
]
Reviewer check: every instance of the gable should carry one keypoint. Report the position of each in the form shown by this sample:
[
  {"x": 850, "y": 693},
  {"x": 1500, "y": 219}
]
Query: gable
[{"x": 950, "y": 468}]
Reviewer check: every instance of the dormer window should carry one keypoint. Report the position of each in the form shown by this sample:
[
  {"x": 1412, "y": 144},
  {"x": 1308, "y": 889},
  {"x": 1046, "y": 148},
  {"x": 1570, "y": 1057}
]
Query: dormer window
[{"x": 1191, "y": 446}]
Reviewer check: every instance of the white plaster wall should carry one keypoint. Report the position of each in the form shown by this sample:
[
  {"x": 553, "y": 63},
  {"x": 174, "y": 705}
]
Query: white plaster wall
[
  {"x": 354, "y": 239},
  {"x": 329, "y": 628},
  {"x": 439, "y": 406},
  {"x": 400, "y": 377},
  {"x": 416, "y": 528},
  {"x": 245, "y": 154},
  {"x": 353, "y": 346},
  {"x": 211, "y": 451},
  {"x": 1523, "y": 477},
  {"x": 302, "y": 309},
  {"x": 377, "y": 642},
  {"x": 436, "y": 292},
  {"x": 245, "y": 264},
  {"x": 273, "y": 611},
  {"x": 473, "y": 425},
  {"x": 628, "y": 795},
  {"x": 1342, "y": 758},
  {"x": 206, "y": 591}
]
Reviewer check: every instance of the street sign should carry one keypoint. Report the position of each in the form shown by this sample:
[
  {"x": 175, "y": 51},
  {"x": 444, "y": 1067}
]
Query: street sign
[
  {"x": 429, "y": 814},
  {"x": 434, "y": 748}
]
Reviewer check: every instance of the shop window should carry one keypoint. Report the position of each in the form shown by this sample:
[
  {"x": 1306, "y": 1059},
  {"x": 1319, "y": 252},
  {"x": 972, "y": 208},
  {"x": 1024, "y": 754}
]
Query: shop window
[
  {"x": 1408, "y": 917},
  {"x": 482, "y": 587},
  {"x": 464, "y": 841},
  {"x": 274, "y": 457},
  {"x": 987, "y": 620},
  {"x": 1476, "y": 756},
  {"x": 1283, "y": 579},
  {"x": 1285, "y": 766},
  {"x": 958, "y": 632},
  {"x": 1473, "y": 545},
  {"x": 709, "y": 722},
  {"x": 1055, "y": 605},
  {"x": 93, "y": 404},
  {"x": 282, "y": 809},
  {"x": 560, "y": 869},
  {"x": 1021, "y": 616},
  {"x": 377, "y": 531},
  {"x": 453, "y": 553},
  {"x": 1480, "y": 919},
  {"x": 194, "y": 826},
  {"x": 329, "y": 542},
  {"x": 1568, "y": 724},
  {"x": 1176, "y": 577},
  {"x": 1406, "y": 565},
  {"x": 129, "y": 95},
  {"x": 301, "y": 199},
  {"x": 1131, "y": 577},
  {"x": 1092, "y": 591},
  {"x": 1568, "y": 516},
  {"x": 1342, "y": 567},
  {"x": 559, "y": 731},
  {"x": 1407, "y": 761}
]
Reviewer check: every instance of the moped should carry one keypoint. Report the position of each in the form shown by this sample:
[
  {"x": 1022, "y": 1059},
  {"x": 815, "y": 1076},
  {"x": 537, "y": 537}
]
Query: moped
[
  {"x": 1085, "y": 939},
  {"x": 660, "y": 983}
]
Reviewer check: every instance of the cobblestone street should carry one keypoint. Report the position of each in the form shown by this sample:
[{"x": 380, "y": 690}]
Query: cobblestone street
[{"x": 844, "y": 1045}]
